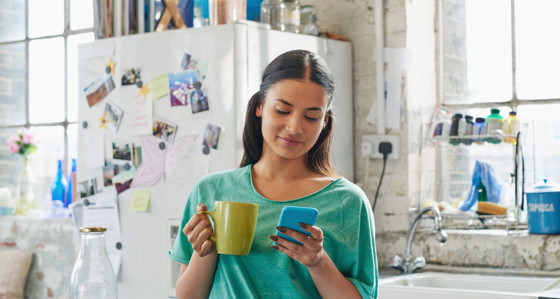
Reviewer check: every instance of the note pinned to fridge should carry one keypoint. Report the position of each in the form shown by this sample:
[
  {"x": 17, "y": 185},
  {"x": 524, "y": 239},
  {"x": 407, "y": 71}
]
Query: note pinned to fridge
[
  {"x": 140, "y": 201},
  {"x": 94, "y": 148},
  {"x": 160, "y": 86},
  {"x": 102, "y": 210}
]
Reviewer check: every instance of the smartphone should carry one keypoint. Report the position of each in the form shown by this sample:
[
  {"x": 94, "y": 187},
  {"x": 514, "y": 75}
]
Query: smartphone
[{"x": 290, "y": 216}]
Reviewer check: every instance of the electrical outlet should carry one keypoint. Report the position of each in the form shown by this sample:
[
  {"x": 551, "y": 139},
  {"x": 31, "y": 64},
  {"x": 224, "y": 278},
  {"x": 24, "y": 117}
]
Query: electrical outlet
[{"x": 375, "y": 140}]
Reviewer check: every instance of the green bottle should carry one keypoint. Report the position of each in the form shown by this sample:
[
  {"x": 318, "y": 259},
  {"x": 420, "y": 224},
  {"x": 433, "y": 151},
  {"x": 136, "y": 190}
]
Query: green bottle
[{"x": 494, "y": 126}]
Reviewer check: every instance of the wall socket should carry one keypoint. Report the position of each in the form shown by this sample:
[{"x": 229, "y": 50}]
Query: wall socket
[{"x": 370, "y": 146}]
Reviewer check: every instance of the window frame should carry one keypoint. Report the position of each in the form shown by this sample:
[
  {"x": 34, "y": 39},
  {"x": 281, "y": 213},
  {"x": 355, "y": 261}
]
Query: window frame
[{"x": 67, "y": 32}]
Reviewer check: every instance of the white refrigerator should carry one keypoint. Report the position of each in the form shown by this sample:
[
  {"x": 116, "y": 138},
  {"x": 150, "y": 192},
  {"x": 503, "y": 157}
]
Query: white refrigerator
[{"x": 190, "y": 88}]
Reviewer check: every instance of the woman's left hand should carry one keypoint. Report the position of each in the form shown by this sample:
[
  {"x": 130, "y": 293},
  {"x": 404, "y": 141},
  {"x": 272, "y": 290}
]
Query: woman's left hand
[{"x": 310, "y": 253}]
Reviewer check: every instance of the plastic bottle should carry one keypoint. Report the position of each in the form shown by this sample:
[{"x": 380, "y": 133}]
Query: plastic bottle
[
  {"x": 511, "y": 126},
  {"x": 71, "y": 185},
  {"x": 59, "y": 187},
  {"x": 494, "y": 126},
  {"x": 454, "y": 131},
  {"x": 93, "y": 276},
  {"x": 289, "y": 15},
  {"x": 479, "y": 128},
  {"x": 469, "y": 130}
]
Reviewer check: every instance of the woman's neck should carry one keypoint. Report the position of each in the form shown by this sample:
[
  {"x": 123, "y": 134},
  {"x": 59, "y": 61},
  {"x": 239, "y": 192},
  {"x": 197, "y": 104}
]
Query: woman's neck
[{"x": 283, "y": 169}]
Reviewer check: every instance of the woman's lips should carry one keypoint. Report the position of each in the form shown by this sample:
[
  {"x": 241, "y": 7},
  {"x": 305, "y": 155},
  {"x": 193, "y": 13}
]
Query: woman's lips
[{"x": 290, "y": 141}]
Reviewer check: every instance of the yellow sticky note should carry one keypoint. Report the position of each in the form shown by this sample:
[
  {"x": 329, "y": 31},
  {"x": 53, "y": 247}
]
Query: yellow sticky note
[
  {"x": 140, "y": 201},
  {"x": 160, "y": 86}
]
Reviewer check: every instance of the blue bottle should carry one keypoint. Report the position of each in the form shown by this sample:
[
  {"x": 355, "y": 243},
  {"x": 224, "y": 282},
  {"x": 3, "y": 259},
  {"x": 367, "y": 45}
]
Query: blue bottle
[
  {"x": 59, "y": 187},
  {"x": 71, "y": 178}
]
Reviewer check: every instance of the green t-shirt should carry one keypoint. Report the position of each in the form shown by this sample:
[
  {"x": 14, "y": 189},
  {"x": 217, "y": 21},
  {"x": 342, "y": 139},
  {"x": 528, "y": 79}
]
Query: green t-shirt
[{"x": 345, "y": 217}]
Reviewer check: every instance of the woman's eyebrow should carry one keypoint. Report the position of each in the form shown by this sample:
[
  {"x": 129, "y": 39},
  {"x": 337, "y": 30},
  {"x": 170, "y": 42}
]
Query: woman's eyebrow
[{"x": 290, "y": 104}]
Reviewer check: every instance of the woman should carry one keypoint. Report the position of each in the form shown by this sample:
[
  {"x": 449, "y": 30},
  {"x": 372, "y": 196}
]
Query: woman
[{"x": 286, "y": 138}]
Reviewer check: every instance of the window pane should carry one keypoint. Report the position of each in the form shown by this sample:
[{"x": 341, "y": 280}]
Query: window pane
[
  {"x": 542, "y": 157},
  {"x": 46, "y": 17},
  {"x": 538, "y": 44},
  {"x": 477, "y": 51},
  {"x": 50, "y": 148},
  {"x": 46, "y": 80},
  {"x": 12, "y": 20},
  {"x": 12, "y": 87},
  {"x": 73, "y": 92},
  {"x": 81, "y": 14}
]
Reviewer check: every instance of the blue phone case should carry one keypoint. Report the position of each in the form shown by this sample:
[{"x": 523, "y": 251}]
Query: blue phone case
[{"x": 290, "y": 216}]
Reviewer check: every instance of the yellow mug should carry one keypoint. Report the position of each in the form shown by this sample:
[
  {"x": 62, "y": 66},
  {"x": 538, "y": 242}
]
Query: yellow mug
[{"x": 235, "y": 224}]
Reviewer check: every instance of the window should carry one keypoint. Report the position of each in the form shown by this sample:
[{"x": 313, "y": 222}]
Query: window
[
  {"x": 503, "y": 54},
  {"x": 38, "y": 82}
]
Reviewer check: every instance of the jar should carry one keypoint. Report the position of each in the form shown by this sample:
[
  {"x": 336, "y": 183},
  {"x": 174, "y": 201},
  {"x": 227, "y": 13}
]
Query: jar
[
  {"x": 225, "y": 11},
  {"x": 469, "y": 129},
  {"x": 93, "y": 276},
  {"x": 479, "y": 129},
  {"x": 269, "y": 13},
  {"x": 289, "y": 16},
  {"x": 494, "y": 126},
  {"x": 307, "y": 20},
  {"x": 456, "y": 127},
  {"x": 511, "y": 127}
]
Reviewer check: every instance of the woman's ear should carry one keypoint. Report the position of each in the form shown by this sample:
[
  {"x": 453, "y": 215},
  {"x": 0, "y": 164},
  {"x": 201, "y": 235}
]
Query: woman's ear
[{"x": 258, "y": 111}]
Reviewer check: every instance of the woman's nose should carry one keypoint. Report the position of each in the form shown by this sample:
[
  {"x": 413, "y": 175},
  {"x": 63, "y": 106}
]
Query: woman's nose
[{"x": 294, "y": 124}]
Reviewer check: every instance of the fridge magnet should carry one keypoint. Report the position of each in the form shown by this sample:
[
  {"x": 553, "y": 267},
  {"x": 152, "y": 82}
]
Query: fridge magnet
[
  {"x": 122, "y": 152},
  {"x": 132, "y": 77},
  {"x": 144, "y": 90},
  {"x": 87, "y": 187},
  {"x": 160, "y": 86},
  {"x": 199, "y": 101},
  {"x": 136, "y": 155},
  {"x": 164, "y": 130},
  {"x": 212, "y": 136},
  {"x": 161, "y": 163},
  {"x": 110, "y": 66},
  {"x": 187, "y": 63},
  {"x": 180, "y": 85},
  {"x": 112, "y": 116},
  {"x": 140, "y": 201},
  {"x": 99, "y": 89}
]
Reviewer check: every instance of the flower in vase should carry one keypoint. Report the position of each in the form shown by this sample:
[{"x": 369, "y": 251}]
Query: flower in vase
[{"x": 23, "y": 143}]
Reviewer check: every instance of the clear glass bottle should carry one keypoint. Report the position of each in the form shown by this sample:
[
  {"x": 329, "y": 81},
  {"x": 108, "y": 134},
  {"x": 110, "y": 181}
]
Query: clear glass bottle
[
  {"x": 93, "y": 276},
  {"x": 269, "y": 13},
  {"x": 25, "y": 195},
  {"x": 289, "y": 16}
]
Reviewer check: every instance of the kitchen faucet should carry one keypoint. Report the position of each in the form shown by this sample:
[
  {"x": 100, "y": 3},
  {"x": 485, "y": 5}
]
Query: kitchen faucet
[{"x": 410, "y": 266}]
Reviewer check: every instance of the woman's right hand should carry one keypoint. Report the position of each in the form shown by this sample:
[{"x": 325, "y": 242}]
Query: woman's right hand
[{"x": 198, "y": 231}]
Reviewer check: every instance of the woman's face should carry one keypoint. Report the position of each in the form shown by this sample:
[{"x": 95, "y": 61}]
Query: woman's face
[{"x": 293, "y": 114}]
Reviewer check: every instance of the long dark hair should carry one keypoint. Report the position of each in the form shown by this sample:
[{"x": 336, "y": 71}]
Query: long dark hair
[{"x": 296, "y": 64}]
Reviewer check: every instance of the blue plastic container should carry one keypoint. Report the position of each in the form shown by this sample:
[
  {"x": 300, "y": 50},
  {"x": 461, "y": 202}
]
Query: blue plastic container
[{"x": 543, "y": 209}]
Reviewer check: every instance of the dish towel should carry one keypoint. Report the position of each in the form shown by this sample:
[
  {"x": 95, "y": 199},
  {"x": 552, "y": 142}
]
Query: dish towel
[{"x": 483, "y": 174}]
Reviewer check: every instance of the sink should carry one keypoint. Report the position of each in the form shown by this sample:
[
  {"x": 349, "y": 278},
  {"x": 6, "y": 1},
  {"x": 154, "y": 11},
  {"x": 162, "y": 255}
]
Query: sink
[{"x": 438, "y": 285}]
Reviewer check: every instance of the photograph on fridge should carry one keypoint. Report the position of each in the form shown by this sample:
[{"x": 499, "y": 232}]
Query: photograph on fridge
[
  {"x": 122, "y": 151},
  {"x": 164, "y": 130},
  {"x": 131, "y": 76},
  {"x": 180, "y": 85},
  {"x": 199, "y": 101},
  {"x": 87, "y": 187},
  {"x": 99, "y": 89},
  {"x": 113, "y": 116},
  {"x": 212, "y": 136}
]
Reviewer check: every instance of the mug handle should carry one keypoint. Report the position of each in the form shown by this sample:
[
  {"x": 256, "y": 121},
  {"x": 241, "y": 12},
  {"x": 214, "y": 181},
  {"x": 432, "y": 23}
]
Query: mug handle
[{"x": 211, "y": 214}]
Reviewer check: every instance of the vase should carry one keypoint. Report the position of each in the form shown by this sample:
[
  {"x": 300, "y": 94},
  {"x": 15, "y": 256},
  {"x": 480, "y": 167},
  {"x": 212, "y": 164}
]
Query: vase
[{"x": 25, "y": 195}]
